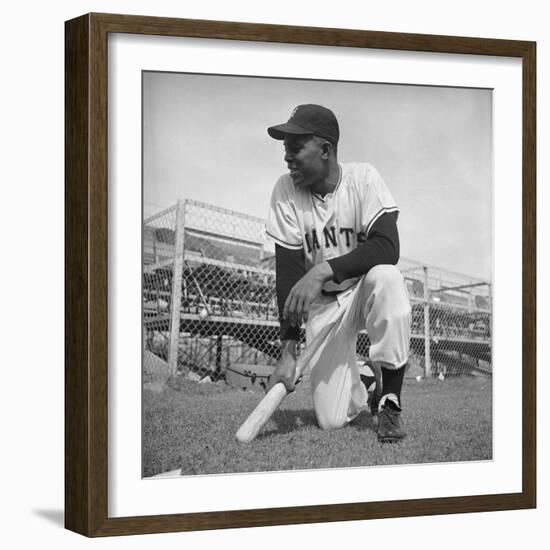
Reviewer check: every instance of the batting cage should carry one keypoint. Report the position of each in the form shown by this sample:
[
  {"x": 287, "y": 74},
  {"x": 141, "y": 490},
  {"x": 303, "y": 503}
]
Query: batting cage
[{"x": 209, "y": 304}]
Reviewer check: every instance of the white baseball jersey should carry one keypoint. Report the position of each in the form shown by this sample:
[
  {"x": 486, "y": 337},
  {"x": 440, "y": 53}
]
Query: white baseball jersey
[{"x": 330, "y": 226}]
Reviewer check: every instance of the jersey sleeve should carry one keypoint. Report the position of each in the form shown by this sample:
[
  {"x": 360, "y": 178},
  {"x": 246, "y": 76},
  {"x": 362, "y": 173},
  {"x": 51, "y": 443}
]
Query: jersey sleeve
[
  {"x": 377, "y": 199},
  {"x": 282, "y": 224}
]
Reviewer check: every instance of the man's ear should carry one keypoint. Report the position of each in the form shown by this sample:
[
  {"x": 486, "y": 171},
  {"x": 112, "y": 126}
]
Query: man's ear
[{"x": 327, "y": 147}]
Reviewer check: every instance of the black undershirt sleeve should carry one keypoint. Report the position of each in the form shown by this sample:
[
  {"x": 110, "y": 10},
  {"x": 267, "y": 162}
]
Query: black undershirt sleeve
[
  {"x": 381, "y": 247},
  {"x": 289, "y": 269}
]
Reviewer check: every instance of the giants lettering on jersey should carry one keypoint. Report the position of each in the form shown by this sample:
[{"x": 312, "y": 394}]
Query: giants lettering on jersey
[{"x": 333, "y": 238}]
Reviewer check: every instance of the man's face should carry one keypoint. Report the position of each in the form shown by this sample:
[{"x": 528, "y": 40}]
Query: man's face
[{"x": 304, "y": 157}]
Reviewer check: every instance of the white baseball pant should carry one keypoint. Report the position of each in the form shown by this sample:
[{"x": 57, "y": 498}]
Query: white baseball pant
[{"x": 378, "y": 302}]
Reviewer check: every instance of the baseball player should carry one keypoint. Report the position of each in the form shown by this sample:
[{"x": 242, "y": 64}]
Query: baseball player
[{"x": 336, "y": 246}]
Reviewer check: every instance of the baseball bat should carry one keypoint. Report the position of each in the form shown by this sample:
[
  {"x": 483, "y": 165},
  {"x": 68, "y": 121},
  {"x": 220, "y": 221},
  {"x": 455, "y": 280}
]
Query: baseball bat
[
  {"x": 261, "y": 414},
  {"x": 268, "y": 405}
]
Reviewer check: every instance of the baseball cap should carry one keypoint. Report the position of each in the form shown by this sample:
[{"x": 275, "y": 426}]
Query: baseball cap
[{"x": 308, "y": 119}]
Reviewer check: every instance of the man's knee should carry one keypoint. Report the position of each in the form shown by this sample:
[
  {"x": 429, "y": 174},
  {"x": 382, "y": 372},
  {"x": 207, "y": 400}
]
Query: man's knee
[
  {"x": 385, "y": 276},
  {"x": 387, "y": 293},
  {"x": 327, "y": 422}
]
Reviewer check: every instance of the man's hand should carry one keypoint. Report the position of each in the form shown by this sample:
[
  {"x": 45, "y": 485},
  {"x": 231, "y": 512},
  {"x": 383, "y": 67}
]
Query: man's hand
[
  {"x": 304, "y": 292},
  {"x": 285, "y": 371}
]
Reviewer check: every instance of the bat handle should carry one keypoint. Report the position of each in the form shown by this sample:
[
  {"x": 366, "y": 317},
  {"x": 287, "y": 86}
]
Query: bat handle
[{"x": 261, "y": 414}]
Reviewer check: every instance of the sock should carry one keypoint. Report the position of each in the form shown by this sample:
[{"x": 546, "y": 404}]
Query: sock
[
  {"x": 392, "y": 381},
  {"x": 367, "y": 380}
]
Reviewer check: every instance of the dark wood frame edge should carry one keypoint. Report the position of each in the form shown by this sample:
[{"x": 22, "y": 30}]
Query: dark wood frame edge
[{"x": 86, "y": 274}]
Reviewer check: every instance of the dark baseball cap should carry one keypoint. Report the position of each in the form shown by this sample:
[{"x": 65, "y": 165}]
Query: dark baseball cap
[{"x": 308, "y": 119}]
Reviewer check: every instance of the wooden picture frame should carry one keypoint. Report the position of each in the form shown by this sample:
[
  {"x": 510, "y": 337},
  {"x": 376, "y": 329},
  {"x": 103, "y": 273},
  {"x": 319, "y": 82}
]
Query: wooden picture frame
[{"x": 86, "y": 277}]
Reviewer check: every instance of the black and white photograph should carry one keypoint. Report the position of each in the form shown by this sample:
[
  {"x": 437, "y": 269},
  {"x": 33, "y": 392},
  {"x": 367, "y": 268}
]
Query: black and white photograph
[{"x": 317, "y": 273}]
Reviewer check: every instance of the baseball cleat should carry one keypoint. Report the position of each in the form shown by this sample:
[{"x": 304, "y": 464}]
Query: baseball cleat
[{"x": 390, "y": 425}]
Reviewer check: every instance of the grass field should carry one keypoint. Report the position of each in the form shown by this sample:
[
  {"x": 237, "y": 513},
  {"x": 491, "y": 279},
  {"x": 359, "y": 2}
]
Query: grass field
[{"x": 192, "y": 427}]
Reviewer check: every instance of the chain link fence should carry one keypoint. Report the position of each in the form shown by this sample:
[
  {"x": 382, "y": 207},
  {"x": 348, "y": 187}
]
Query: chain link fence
[
  {"x": 209, "y": 301},
  {"x": 451, "y": 321}
]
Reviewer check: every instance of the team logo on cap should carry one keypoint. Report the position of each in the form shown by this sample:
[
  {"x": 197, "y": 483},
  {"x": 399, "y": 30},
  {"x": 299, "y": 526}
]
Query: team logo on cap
[{"x": 294, "y": 111}]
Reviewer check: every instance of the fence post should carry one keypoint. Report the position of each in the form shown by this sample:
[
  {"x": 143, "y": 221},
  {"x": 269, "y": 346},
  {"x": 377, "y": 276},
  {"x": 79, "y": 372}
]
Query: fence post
[
  {"x": 427, "y": 359},
  {"x": 219, "y": 351},
  {"x": 175, "y": 306}
]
